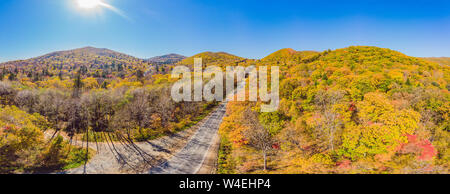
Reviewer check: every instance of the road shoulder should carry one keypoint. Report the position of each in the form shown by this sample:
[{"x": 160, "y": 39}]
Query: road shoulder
[{"x": 209, "y": 165}]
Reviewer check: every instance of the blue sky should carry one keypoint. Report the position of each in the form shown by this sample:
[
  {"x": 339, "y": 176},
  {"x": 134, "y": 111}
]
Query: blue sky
[{"x": 248, "y": 28}]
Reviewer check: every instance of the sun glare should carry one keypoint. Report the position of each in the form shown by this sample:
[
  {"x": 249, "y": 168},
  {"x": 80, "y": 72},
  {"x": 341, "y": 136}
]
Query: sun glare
[
  {"x": 92, "y": 5},
  {"x": 89, "y": 4}
]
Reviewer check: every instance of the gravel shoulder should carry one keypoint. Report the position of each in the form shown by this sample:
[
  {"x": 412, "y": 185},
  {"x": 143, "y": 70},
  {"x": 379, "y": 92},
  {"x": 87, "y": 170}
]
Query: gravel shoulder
[{"x": 209, "y": 165}]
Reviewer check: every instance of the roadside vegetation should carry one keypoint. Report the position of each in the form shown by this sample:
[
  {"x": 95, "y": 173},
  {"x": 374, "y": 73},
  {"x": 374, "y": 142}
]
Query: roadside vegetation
[
  {"x": 352, "y": 110},
  {"x": 85, "y": 94}
]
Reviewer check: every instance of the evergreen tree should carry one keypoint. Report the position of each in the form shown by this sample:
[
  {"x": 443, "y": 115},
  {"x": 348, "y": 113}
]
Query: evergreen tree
[{"x": 77, "y": 86}]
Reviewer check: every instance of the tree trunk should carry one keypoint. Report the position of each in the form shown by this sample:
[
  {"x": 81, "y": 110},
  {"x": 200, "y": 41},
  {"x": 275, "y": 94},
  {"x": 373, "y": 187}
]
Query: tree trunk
[{"x": 265, "y": 161}]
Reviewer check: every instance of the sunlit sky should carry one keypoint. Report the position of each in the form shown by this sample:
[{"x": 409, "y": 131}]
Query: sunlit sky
[{"x": 248, "y": 28}]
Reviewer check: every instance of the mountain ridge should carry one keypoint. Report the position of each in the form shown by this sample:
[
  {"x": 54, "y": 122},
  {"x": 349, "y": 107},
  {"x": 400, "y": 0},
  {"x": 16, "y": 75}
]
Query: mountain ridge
[
  {"x": 288, "y": 54},
  {"x": 213, "y": 58},
  {"x": 166, "y": 59},
  {"x": 91, "y": 55},
  {"x": 439, "y": 60},
  {"x": 76, "y": 57}
]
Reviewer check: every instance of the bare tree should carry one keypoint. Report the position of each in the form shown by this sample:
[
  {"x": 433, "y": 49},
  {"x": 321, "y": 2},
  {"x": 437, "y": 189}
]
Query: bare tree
[
  {"x": 164, "y": 105},
  {"x": 139, "y": 109},
  {"x": 328, "y": 128},
  {"x": 258, "y": 136},
  {"x": 7, "y": 93},
  {"x": 27, "y": 100},
  {"x": 77, "y": 117},
  {"x": 52, "y": 105},
  {"x": 99, "y": 107},
  {"x": 135, "y": 113}
]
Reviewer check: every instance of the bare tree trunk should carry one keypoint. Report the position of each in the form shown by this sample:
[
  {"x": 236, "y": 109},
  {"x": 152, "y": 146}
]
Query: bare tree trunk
[
  {"x": 265, "y": 161},
  {"x": 87, "y": 151},
  {"x": 332, "y": 138}
]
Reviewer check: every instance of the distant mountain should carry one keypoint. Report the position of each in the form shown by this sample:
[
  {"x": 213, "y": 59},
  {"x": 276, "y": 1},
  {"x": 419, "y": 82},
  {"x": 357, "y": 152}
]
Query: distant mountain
[
  {"x": 370, "y": 58},
  {"x": 213, "y": 58},
  {"x": 280, "y": 54},
  {"x": 92, "y": 62},
  {"x": 378, "y": 96},
  {"x": 439, "y": 60},
  {"x": 166, "y": 59},
  {"x": 288, "y": 54},
  {"x": 88, "y": 56}
]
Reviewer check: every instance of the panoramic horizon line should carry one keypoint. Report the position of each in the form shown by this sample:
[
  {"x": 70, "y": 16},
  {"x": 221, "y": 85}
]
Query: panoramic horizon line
[{"x": 146, "y": 58}]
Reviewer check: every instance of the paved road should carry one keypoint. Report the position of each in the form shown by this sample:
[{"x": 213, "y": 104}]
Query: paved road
[
  {"x": 183, "y": 152},
  {"x": 189, "y": 159}
]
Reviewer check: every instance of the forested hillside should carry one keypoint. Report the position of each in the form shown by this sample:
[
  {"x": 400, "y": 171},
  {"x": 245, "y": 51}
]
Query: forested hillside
[
  {"x": 93, "y": 62},
  {"x": 352, "y": 110},
  {"x": 220, "y": 59},
  {"x": 290, "y": 56},
  {"x": 166, "y": 59},
  {"x": 85, "y": 94},
  {"x": 439, "y": 60}
]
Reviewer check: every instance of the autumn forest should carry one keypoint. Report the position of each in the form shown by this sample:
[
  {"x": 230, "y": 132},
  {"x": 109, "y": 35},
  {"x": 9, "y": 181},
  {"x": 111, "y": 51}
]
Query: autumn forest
[{"x": 358, "y": 109}]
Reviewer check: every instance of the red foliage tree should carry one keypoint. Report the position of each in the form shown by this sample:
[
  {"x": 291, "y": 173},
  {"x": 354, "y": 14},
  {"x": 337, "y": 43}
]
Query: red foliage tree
[{"x": 424, "y": 150}]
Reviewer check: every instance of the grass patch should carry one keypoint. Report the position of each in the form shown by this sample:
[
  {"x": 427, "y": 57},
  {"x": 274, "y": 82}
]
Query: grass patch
[
  {"x": 77, "y": 157},
  {"x": 225, "y": 162}
]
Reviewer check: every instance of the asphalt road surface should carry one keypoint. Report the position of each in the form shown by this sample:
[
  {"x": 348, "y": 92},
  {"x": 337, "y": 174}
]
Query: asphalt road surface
[
  {"x": 190, "y": 158},
  {"x": 183, "y": 152}
]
